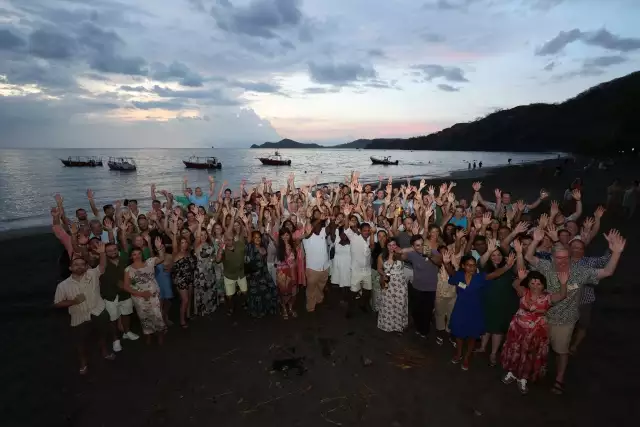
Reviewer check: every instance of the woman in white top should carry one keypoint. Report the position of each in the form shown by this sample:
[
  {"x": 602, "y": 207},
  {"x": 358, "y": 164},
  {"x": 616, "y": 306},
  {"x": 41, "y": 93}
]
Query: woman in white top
[
  {"x": 341, "y": 263},
  {"x": 140, "y": 282}
]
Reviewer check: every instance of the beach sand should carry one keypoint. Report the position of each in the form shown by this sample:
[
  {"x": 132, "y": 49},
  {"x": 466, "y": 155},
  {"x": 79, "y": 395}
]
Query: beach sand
[{"x": 218, "y": 371}]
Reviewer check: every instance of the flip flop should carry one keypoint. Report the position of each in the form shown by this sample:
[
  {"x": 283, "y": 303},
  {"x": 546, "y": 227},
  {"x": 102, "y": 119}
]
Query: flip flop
[
  {"x": 110, "y": 356},
  {"x": 83, "y": 370}
]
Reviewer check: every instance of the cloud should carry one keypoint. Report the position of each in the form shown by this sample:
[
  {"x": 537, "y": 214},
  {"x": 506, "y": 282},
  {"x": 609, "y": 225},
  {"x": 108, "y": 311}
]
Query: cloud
[
  {"x": 550, "y": 66},
  {"x": 376, "y": 53},
  {"x": 128, "y": 88},
  {"x": 319, "y": 90},
  {"x": 435, "y": 71},
  {"x": 176, "y": 71},
  {"x": 592, "y": 67},
  {"x": 601, "y": 38},
  {"x": 208, "y": 96},
  {"x": 10, "y": 41},
  {"x": 448, "y": 88},
  {"x": 171, "y": 105},
  {"x": 114, "y": 63},
  {"x": 340, "y": 74},
  {"x": 432, "y": 37},
  {"x": 604, "y": 61},
  {"x": 260, "y": 18},
  {"x": 256, "y": 87},
  {"x": 51, "y": 45}
]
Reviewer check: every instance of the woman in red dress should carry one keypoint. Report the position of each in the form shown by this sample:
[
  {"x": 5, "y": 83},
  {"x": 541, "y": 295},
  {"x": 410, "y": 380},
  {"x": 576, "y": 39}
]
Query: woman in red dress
[{"x": 524, "y": 355}]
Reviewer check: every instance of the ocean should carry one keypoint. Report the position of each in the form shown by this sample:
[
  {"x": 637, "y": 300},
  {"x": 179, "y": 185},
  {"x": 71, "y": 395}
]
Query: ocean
[{"x": 30, "y": 178}]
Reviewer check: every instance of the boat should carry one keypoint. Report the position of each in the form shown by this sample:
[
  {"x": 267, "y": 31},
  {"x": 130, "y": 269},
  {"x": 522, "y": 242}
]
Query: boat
[
  {"x": 275, "y": 160},
  {"x": 125, "y": 164},
  {"x": 82, "y": 161},
  {"x": 383, "y": 161},
  {"x": 194, "y": 162}
]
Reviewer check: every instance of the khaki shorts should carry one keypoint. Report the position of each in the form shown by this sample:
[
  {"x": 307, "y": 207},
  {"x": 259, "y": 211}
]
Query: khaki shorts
[
  {"x": 361, "y": 280},
  {"x": 230, "y": 286},
  {"x": 560, "y": 337},
  {"x": 117, "y": 308}
]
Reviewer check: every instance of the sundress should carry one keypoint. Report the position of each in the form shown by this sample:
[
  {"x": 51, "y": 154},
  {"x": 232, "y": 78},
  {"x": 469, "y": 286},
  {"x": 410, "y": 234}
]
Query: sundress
[
  {"x": 527, "y": 345},
  {"x": 393, "y": 312},
  {"x": 467, "y": 317},
  {"x": 148, "y": 310},
  {"x": 204, "y": 292},
  {"x": 500, "y": 303},
  {"x": 286, "y": 277},
  {"x": 341, "y": 265},
  {"x": 262, "y": 295},
  {"x": 183, "y": 272},
  {"x": 219, "y": 272},
  {"x": 163, "y": 278},
  {"x": 300, "y": 261}
]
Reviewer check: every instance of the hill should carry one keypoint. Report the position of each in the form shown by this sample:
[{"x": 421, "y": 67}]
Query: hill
[
  {"x": 286, "y": 143},
  {"x": 601, "y": 119}
]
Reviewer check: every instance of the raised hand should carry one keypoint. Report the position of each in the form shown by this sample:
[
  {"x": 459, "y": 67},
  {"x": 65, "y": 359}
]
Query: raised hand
[
  {"x": 58, "y": 199},
  {"x": 477, "y": 223},
  {"x": 476, "y": 186},
  {"x": 517, "y": 245},
  {"x": 511, "y": 259},
  {"x": 491, "y": 245},
  {"x": 498, "y": 193},
  {"x": 474, "y": 204},
  {"x": 521, "y": 227},
  {"x": 200, "y": 218},
  {"x": 599, "y": 212},
  {"x": 538, "y": 234},
  {"x": 89, "y": 193},
  {"x": 428, "y": 212},
  {"x": 520, "y": 205},
  {"x": 552, "y": 231},
  {"x": 308, "y": 228},
  {"x": 100, "y": 248},
  {"x": 211, "y": 180},
  {"x": 451, "y": 197},
  {"x": 544, "y": 220},
  {"x": 486, "y": 218},
  {"x": 576, "y": 195},
  {"x": 74, "y": 228},
  {"x": 158, "y": 243},
  {"x": 554, "y": 208},
  {"x": 563, "y": 277},
  {"x": 616, "y": 241},
  {"x": 522, "y": 273},
  {"x": 415, "y": 228},
  {"x": 185, "y": 179},
  {"x": 543, "y": 194},
  {"x": 588, "y": 223},
  {"x": 446, "y": 256},
  {"x": 431, "y": 190},
  {"x": 460, "y": 233},
  {"x": 108, "y": 224},
  {"x": 443, "y": 189},
  {"x": 55, "y": 212}
]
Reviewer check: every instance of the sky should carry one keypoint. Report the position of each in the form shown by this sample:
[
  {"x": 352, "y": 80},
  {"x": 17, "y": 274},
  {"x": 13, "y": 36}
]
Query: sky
[{"x": 231, "y": 73}]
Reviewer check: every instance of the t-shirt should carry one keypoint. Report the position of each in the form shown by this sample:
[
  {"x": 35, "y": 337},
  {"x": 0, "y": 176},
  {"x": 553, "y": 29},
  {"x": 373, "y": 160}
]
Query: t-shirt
[
  {"x": 425, "y": 273},
  {"x": 184, "y": 201},
  {"x": 360, "y": 252},
  {"x": 200, "y": 201},
  {"x": 566, "y": 312},
  {"x": 233, "y": 261},
  {"x": 112, "y": 277},
  {"x": 316, "y": 253},
  {"x": 459, "y": 222}
]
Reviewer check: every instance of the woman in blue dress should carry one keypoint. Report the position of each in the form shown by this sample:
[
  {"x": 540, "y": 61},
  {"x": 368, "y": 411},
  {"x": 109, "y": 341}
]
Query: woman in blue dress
[{"x": 467, "y": 318}]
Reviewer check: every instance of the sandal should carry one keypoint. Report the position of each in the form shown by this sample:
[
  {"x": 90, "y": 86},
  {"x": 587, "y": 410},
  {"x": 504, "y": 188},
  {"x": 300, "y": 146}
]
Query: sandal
[
  {"x": 83, "y": 370},
  {"x": 110, "y": 356},
  {"x": 456, "y": 360},
  {"x": 493, "y": 360},
  {"x": 558, "y": 388}
]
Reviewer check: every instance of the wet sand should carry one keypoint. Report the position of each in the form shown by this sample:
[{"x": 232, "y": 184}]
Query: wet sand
[{"x": 218, "y": 372}]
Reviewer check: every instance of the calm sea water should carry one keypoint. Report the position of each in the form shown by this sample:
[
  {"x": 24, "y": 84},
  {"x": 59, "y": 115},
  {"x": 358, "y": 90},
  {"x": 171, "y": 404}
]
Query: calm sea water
[{"x": 30, "y": 178}]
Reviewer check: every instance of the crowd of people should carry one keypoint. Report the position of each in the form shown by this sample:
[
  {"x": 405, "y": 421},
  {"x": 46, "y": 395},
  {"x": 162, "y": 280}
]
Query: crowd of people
[{"x": 495, "y": 279}]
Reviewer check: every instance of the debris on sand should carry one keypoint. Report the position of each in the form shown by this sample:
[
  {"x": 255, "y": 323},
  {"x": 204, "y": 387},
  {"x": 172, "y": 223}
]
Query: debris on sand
[
  {"x": 290, "y": 364},
  {"x": 407, "y": 359},
  {"x": 366, "y": 361}
]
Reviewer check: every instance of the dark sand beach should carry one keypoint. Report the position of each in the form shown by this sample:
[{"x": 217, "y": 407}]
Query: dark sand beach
[{"x": 218, "y": 372}]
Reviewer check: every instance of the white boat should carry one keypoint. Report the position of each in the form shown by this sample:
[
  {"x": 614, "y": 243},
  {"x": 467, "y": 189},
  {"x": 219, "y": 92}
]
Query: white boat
[
  {"x": 125, "y": 164},
  {"x": 275, "y": 160}
]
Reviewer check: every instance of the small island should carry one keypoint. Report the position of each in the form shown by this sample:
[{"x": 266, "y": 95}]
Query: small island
[{"x": 286, "y": 143}]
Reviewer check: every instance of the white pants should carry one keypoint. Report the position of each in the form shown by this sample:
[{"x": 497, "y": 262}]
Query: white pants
[
  {"x": 117, "y": 308},
  {"x": 361, "y": 279}
]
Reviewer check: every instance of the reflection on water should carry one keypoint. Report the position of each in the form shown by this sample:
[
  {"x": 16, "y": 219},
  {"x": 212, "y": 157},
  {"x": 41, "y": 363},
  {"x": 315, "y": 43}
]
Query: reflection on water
[{"x": 30, "y": 178}]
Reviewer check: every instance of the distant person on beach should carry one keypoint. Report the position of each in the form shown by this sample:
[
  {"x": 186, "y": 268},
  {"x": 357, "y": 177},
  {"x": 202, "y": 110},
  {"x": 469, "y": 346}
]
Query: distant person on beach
[
  {"x": 469, "y": 166},
  {"x": 629, "y": 200},
  {"x": 509, "y": 161},
  {"x": 480, "y": 165},
  {"x": 614, "y": 196},
  {"x": 474, "y": 164}
]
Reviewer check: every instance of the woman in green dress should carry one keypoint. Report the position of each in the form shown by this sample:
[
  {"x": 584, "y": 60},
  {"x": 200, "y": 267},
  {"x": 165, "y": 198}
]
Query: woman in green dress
[{"x": 500, "y": 301}]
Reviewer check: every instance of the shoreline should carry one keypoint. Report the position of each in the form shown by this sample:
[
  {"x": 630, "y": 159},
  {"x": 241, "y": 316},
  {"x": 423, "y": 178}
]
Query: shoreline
[{"x": 454, "y": 175}]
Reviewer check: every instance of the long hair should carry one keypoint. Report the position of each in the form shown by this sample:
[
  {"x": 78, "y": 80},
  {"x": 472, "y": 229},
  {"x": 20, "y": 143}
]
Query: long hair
[
  {"x": 385, "y": 251},
  {"x": 282, "y": 246},
  {"x": 490, "y": 267}
]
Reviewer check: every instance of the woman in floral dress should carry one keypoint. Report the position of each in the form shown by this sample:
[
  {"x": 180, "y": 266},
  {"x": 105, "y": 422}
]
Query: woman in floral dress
[
  {"x": 393, "y": 312},
  {"x": 297, "y": 234},
  {"x": 286, "y": 276},
  {"x": 204, "y": 293},
  {"x": 183, "y": 272},
  {"x": 524, "y": 355},
  {"x": 262, "y": 295},
  {"x": 140, "y": 282}
]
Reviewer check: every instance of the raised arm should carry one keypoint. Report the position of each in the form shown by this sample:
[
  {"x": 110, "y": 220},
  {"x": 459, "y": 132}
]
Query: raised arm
[
  {"x": 616, "y": 246},
  {"x": 185, "y": 181},
  {"x": 92, "y": 203},
  {"x": 511, "y": 260},
  {"x": 212, "y": 187},
  {"x": 530, "y": 256}
]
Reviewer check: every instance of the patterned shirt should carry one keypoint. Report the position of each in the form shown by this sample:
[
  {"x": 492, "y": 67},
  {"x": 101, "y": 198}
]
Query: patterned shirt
[
  {"x": 588, "y": 293},
  {"x": 565, "y": 312}
]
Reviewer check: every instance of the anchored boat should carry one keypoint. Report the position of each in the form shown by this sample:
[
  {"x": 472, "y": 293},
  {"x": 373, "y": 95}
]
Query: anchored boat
[
  {"x": 194, "y": 162},
  {"x": 383, "y": 161},
  {"x": 125, "y": 164},
  {"x": 275, "y": 160},
  {"x": 82, "y": 161}
]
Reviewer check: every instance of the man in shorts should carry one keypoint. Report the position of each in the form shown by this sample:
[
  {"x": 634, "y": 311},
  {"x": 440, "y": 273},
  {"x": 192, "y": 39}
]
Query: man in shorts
[
  {"x": 80, "y": 294},
  {"x": 232, "y": 257},
  {"x": 117, "y": 301}
]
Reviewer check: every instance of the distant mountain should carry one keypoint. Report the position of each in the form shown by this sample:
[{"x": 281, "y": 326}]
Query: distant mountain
[
  {"x": 602, "y": 119},
  {"x": 286, "y": 143}
]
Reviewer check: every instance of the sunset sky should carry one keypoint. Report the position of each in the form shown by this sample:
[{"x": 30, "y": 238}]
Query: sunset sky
[{"x": 230, "y": 73}]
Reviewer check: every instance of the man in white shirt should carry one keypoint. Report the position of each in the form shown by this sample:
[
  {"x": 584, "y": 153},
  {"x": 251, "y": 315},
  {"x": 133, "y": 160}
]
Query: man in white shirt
[
  {"x": 361, "y": 241},
  {"x": 80, "y": 293},
  {"x": 317, "y": 260}
]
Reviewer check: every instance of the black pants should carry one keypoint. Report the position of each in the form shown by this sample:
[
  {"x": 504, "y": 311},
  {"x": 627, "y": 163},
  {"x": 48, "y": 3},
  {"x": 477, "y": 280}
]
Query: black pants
[{"x": 421, "y": 305}]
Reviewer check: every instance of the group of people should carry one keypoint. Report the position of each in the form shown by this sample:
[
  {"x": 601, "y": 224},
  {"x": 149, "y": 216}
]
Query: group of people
[{"x": 494, "y": 278}]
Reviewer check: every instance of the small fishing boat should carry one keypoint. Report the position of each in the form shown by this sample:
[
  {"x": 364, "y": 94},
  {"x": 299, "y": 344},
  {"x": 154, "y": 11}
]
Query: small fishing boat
[
  {"x": 383, "y": 161},
  {"x": 275, "y": 160},
  {"x": 82, "y": 161},
  {"x": 194, "y": 162},
  {"x": 125, "y": 164}
]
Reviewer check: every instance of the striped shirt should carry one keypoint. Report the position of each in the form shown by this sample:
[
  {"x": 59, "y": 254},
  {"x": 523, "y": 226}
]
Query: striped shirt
[
  {"x": 89, "y": 285},
  {"x": 588, "y": 292}
]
